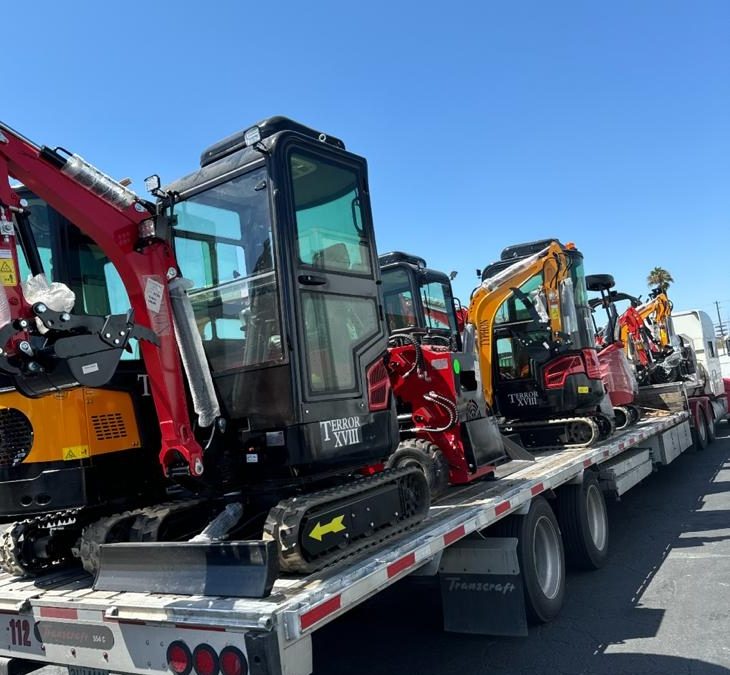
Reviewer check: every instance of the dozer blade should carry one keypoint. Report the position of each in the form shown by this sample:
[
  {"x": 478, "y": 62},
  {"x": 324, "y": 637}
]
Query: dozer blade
[
  {"x": 515, "y": 451},
  {"x": 239, "y": 569}
]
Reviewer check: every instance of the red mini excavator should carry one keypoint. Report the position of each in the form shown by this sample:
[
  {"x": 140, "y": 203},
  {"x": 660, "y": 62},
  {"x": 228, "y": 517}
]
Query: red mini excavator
[
  {"x": 256, "y": 276},
  {"x": 446, "y": 427},
  {"x": 616, "y": 371}
]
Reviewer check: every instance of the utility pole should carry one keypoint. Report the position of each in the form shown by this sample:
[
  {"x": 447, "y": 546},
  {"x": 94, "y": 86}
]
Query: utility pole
[{"x": 719, "y": 319}]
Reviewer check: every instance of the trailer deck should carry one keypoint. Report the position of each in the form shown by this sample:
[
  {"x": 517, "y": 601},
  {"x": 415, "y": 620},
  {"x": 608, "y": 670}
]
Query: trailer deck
[{"x": 59, "y": 618}]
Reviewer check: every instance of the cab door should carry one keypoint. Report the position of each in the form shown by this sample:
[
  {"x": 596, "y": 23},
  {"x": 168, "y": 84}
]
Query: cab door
[{"x": 339, "y": 321}]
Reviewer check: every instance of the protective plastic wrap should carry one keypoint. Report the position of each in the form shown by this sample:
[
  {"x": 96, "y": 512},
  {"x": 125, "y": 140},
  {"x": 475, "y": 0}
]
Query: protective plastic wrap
[
  {"x": 56, "y": 296},
  {"x": 498, "y": 279},
  {"x": 192, "y": 354},
  {"x": 99, "y": 182},
  {"x": 570, "y": 316}
]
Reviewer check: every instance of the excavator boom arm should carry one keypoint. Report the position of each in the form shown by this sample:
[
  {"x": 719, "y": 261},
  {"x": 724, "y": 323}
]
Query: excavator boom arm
[{"x": 492, "y": 292}]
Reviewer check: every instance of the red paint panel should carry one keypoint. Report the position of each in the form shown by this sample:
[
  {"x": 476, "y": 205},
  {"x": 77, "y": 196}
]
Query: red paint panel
[
  {"x": 59, "y": 613},
  {"x": 399, "y": 565},
  {"x": 537, "y": 489},
  {"x": 451, "y": 537},
  {"x": 319, "y": 612},
  {"x": 502, "y": 507}
]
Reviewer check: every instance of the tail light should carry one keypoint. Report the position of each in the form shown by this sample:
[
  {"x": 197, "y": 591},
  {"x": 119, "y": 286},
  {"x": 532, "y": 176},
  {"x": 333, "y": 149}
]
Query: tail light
[
  {"x": 233, "y": 662},
  {"x": 593, "y": 367},
  {"x": 378, "y": 386},
  {"x": 205, "y": 660},
  {"x": 179, "y": 658},
  {"x": 557, "y": 371}
]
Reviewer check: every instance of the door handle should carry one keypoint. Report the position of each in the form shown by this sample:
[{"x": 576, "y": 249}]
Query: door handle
[{"x": 312, "y": 280}]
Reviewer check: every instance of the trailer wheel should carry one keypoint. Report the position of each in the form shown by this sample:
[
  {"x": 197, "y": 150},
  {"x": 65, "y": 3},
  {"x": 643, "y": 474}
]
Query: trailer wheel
[
  {"x": 584, "y": 522},
  {"x": 427, "y": 457},
  {"x": 711, "y": 429},
  {"x": 699, "y": 433},
  {"x": 541, "y": 557}
]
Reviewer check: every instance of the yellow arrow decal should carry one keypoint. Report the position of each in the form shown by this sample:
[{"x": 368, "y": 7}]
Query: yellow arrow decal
[{"x": 335, "y": 525}]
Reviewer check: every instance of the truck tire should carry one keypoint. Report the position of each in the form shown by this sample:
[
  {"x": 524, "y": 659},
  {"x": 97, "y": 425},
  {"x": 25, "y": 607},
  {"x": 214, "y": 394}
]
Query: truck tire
[
  {"x": 427, "y": 457},
  {"x": 711, "y": 428},
  {"x": 583, "y": 521},
  {"x": 699, "y": 432},
  {"x": 541, "y": 557}
]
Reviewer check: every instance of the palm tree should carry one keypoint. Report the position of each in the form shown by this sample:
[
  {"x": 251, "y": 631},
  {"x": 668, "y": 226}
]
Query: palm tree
[{"x": 659, "y": 278}]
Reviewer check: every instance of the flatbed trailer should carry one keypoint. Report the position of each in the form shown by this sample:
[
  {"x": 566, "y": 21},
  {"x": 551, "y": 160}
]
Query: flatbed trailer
[{"x": 60, "y": 619}]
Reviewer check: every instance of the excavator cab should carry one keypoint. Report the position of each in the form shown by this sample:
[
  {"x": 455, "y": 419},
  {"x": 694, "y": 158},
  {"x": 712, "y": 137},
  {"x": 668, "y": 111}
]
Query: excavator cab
[
  {"x": 418, "y": 298},
  {"x": 275, "y": 234},
  {"x": 537, "y": 344}
]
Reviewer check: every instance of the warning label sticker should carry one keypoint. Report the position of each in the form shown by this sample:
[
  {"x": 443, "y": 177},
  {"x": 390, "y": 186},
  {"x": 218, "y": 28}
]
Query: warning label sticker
[
  {"x": 153, "y": 290},
  {"x": 8, "y": 273},
  {"x": 75, "y": 452},
  {"x": 160, "y": 319}
]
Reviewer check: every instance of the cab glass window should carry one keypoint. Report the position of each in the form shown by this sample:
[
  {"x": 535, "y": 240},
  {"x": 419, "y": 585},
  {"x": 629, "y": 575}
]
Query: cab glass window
[
  {"x": 330, "y": 229},
  {"x": 335, "y": 325},
  {"x": 515, "y": 310},
  {"x": 400, "y": 311},
  {"x": 224, "y": 245},
  {"x": 438, "y": 306}
]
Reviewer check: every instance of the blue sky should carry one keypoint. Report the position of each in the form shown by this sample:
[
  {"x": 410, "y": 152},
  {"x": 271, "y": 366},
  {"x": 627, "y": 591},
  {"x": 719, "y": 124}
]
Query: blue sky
[{"x": 484, "y": 123}]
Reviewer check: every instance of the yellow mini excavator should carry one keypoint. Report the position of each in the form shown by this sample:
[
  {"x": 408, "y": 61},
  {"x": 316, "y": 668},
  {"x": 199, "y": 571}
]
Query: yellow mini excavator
[{"x": 538, "y": 362}]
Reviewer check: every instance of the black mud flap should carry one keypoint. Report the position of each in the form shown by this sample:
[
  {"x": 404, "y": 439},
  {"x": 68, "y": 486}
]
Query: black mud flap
[{"x": 238, "y": 569}]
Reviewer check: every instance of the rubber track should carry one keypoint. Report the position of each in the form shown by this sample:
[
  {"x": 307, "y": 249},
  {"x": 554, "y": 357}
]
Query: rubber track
[
  {"x": 145, "y": 523},
  {"x": 11, "y": 548},
  {"x": 284, "y": 521},
  {"x": 516, "y": 426}
]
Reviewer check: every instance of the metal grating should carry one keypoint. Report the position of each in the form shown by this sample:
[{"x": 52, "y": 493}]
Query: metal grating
[
  {"x": 109, "y": 426},
  {"x": 16, "y": 437}
]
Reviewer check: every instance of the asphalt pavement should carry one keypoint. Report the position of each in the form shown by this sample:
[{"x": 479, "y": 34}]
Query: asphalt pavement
[{"x": 661, "y": 605}]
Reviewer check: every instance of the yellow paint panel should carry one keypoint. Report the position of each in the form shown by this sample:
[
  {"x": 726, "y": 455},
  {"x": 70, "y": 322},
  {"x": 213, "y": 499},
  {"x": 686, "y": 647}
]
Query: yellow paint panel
[{"x": 99, "y": 420}]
